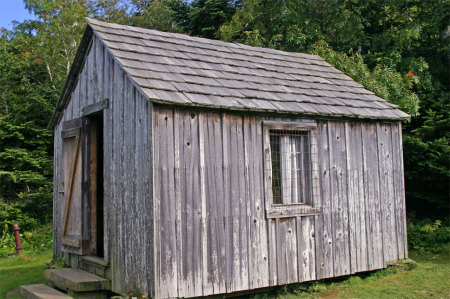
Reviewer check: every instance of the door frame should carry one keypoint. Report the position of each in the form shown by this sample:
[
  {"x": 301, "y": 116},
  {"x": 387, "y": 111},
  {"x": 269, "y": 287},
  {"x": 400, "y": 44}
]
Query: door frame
[{"x": 85, "y": 130}]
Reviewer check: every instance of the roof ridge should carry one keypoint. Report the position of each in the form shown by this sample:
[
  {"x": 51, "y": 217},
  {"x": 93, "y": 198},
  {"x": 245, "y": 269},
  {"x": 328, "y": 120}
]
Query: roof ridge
[{"x": 203, "y": 40}]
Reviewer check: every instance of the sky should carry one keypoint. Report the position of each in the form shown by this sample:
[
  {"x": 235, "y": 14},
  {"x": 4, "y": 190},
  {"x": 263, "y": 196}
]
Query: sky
[{"x": 13, "y": 10}]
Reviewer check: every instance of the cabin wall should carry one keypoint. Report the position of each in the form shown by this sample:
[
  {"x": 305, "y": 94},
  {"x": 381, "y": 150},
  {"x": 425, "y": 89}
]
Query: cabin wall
[
  {"x": 127, "y": 170},
  {"x": 211, "y": 233}
]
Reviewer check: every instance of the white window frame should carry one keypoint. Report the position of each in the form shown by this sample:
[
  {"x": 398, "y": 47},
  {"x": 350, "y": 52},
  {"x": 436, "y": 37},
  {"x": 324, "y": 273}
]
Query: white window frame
[{"x": 292, "y": 209}]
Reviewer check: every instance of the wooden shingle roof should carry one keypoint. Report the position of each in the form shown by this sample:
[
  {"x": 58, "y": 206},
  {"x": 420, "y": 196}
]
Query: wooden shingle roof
[{"x": 178, "y": 69}]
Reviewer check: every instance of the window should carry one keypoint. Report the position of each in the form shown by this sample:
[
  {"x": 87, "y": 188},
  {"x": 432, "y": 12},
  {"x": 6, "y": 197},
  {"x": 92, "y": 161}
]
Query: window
[{"x": 291, "y": 169}]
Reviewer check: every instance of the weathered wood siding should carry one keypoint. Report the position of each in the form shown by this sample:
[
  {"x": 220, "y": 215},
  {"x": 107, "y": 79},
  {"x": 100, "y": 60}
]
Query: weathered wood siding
[
  {"x": 127, "y": 170},
  {"x": 211, "y": 233}
]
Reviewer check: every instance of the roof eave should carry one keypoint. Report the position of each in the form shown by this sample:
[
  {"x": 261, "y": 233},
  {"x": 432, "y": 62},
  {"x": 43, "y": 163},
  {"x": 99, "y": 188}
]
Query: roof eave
[{"x": 71, "y": 80}]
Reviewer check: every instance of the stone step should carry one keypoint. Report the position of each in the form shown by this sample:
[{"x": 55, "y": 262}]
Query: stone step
[
  {"x": 40, "y": 291},
  {"x": 96, "y": 266},
  {"x": 76, "y": 280}
]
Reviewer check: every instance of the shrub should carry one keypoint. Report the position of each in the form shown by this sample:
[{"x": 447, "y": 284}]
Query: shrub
[
  {"x": 428, "y": 236},
  {"x": 33, "y": 242}
]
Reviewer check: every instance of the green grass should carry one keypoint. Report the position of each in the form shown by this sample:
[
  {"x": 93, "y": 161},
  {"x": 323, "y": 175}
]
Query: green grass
[
  {"x": 429, "y": 278},
  {"x": 20, "y": 270}
]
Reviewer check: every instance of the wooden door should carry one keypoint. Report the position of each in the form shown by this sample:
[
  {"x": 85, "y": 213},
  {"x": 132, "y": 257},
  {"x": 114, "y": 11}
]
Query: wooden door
[
  {"x": 82, "y": 213},
  {"x": 72, "y": 181}
]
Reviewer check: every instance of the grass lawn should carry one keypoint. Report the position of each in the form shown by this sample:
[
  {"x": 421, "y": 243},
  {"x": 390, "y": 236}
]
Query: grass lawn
[
  {"x": 19, "y": 270},
  {"x": 429, "y": 278}
]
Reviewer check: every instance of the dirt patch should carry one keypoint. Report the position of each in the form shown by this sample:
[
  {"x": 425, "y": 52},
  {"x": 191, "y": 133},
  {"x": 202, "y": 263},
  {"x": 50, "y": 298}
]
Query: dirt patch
[
  {"x": 330, "y": 295},
  {"x": 12, "y": 293}
]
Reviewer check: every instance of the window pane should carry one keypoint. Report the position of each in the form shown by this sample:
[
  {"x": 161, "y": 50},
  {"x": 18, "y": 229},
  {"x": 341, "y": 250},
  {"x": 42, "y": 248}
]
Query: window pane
[
  {"x": 291, "y": 166},
  {"x": 276, "y": 168}
]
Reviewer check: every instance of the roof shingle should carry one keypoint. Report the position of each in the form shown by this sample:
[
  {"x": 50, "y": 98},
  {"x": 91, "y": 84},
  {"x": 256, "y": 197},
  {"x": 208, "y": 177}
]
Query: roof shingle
[{"x": 178, "y": 69}]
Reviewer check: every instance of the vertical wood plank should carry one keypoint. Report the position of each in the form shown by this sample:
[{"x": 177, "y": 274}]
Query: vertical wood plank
[
  {"x": 197, "y": 268},
  {"x": 169, "y": 269},
  {"x": 287, "y": 251},
  {"x": 241, "y": 207},
  {"x": 82, "y": 79},
  {"x": 261, "y": 253},
  {"x": 372, "y": 196},
  {"x": 248, "y": 196},
  {"x": 307, "y": 247},
  {"x": 107, "y": 74},
  {"x": 178, "y": 199},
  {"x": 129, "y": 213},
  {"x": 141, "y": 181},
  {"x": 387, "y": 191},
  {"x": 75, "y": 101},
  {"x": 107, "y": 158},
  {"x": 57, "y": 186},
  {"x": 220, "y": 210},
  {"x": 227, "y": 200},
  {"x": 398, "y": 191},
  {"x": 357, "y": 227},
  {"x": 117, "y": 259},
  {"x": 273, "y": 274},
  {"x": 207, "y": 287},
  {"x": 258, "y": 255},
  {"x": 122, "y": 211},
  {"x": 149, "y": 198},
  {"x": 402, "y": 185},
  {"x": 191, "y": 204},
  {"x": 339, "y": 202},
  {"x": 324, "y": 223},
  {"x": 214, "y": 203},
  {"x": 156, "y": 129},
  {"x": 90, "y": 73},
  {"x": 98, "y": 73},
  {"x": 237, "y": 207}
]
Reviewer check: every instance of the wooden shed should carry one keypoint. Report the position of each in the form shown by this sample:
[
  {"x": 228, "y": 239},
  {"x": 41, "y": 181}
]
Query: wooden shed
[{"x": 189, "y": 167}]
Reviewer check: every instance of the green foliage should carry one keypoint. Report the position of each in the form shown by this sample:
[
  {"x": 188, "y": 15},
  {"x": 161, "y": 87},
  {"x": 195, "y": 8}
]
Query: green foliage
[
  {"x": 56, "y": 35},
  {"x": 32, "y": 242},
  {"x": 199, "y": 18},
  {"x": 427, "y": 175},
  {"x": 115, "y": 11},
  {"x": 428, "y": 236},
  {"x": 156, "y": 15},
  {"x": 26, "y": 102},
  {"x": 206, "y": 16},
  {"x": 385, "y": 82}
]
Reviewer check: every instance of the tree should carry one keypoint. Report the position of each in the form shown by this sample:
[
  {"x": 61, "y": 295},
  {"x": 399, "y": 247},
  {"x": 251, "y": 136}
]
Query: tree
[
  {"x": 206, "y": 16},
  {"x": 157, "y": 14},
  {"x": 199, "y": 17},
  {"x": 26, "y": 97}
]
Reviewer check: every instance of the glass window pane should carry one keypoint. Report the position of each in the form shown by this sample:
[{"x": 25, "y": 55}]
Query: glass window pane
[{"x": 291, "y": 166}]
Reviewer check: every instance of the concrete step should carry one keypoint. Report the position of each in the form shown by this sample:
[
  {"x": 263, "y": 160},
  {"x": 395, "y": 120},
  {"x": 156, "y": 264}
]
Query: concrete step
[
  {"x": 96, "y": 266},
  {"x": 76, "y": 280},
  {"x": 40, "y": 291}
]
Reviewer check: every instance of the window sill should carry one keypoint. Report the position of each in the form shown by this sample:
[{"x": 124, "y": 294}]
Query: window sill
[{"x": 283, "y": 211}]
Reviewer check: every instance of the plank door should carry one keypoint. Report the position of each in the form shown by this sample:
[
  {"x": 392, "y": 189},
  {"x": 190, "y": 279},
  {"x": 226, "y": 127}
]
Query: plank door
[{"x": 72, "y": 187}]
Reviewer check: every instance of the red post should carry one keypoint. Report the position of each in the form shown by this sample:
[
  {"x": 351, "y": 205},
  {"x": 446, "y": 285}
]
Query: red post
[{"x": 16, "y": 230}]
